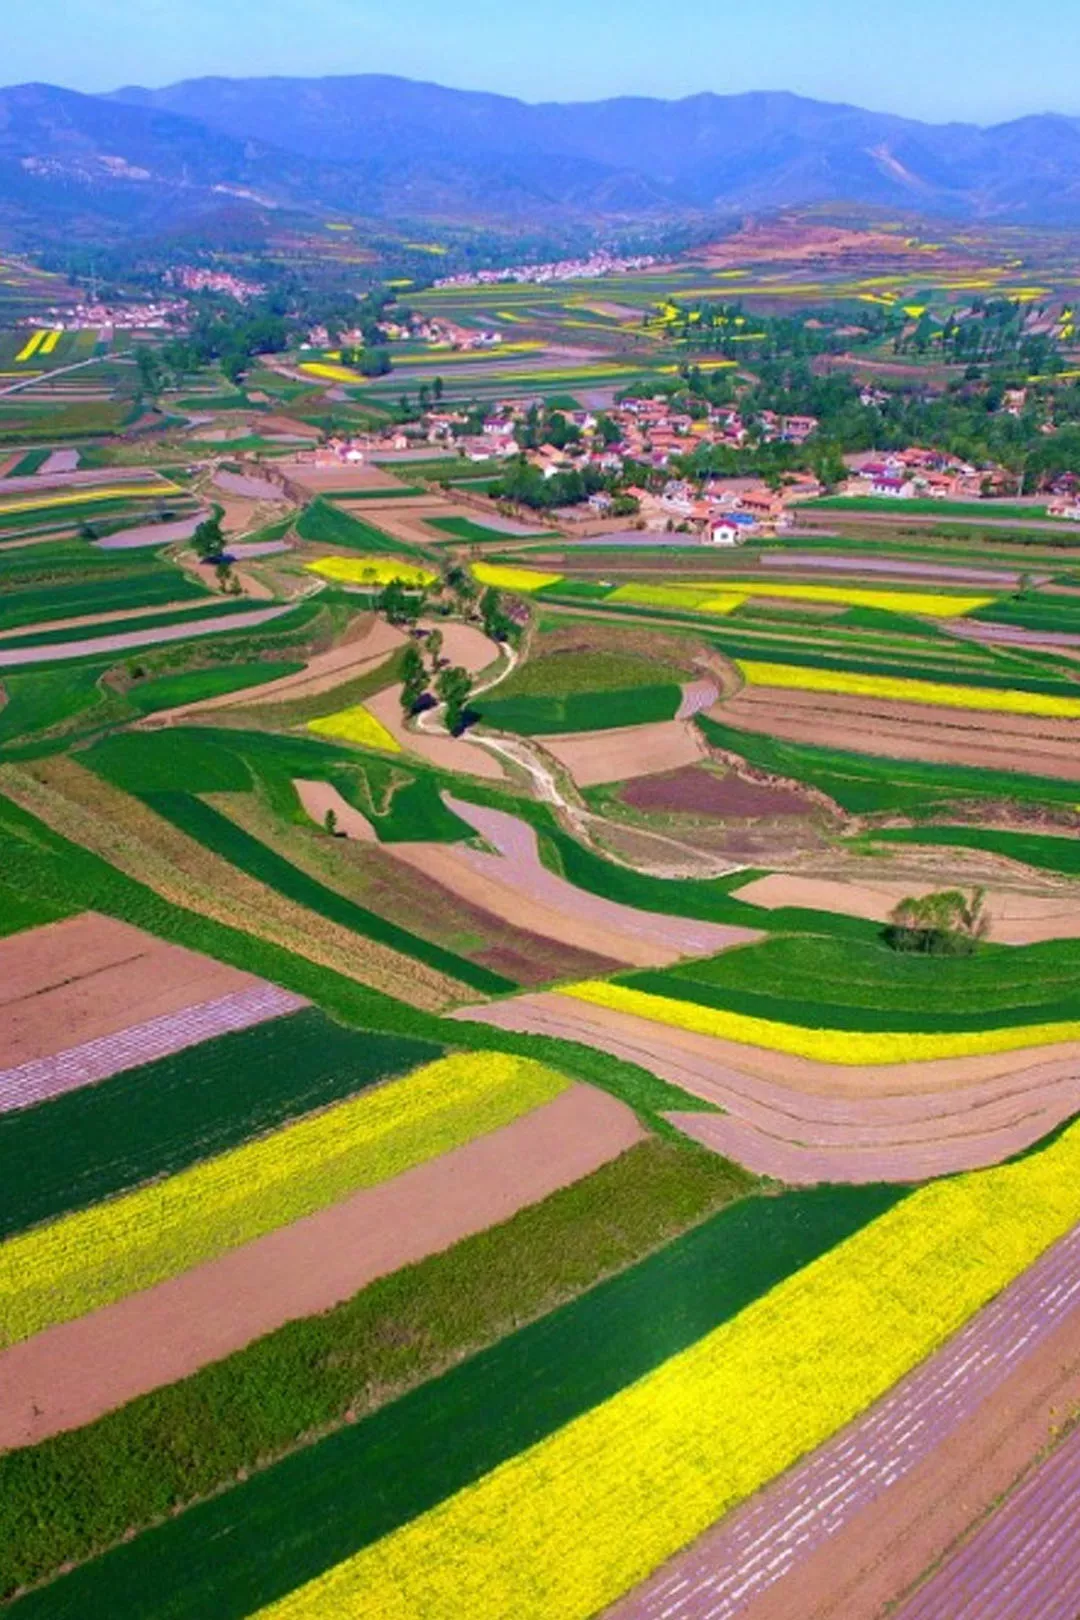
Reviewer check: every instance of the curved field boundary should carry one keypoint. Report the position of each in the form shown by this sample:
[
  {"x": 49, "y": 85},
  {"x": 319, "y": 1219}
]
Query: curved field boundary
[
  {"x": 896, "y": 1127},
  {"x": 856, "y": 1046},
  {"x": 518, "y": 865},
  {"x": 84, "y": 1065},
  {"x": 698, "y": 696},
  {"x": 141, "y": 638},
  {"x": 1023, "y": 1562},
  {"x": 723, "y": 1572},
  {"x": 73, "y": 1373}
]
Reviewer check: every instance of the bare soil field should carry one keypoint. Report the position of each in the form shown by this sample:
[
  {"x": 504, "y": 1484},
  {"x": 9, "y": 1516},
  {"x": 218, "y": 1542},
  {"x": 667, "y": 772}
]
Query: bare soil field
[
  {"x": 133, "y": 838},
  {"x": 1011, "y": 635},
  {"x": 933, "y": 735},
  {"x": 593, "y": 757},
  {"x": 845, "y": 1532},
  {"x": 1016, "y": 918},
  {"x": 90, "y": 976},
  {"x": 247, "y": 487},
  {"x": 69, "y": 1375},
  {"x": 326, "y": 480},
  {"x": 320, "y": 799},
  {"x": 152, "y": 534},
  {"x": 514, "y": 882},
  {"x": 1025, "y": 1559},
  {"x": 694, "y": 791},
  {"x": 125, "y": 641}
]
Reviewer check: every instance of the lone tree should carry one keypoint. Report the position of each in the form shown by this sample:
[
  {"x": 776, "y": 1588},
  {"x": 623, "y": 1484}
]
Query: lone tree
[
  {"x": 497, "y": 622},
  {"x": 413, "y": 678},
  {"x": 435, "y": 647},
  {"x": 454, "y": 687},
  {"x": 947, "y": 923},
  {"x": 399, "y": 604},
  {"x": 208, "y": 541},
  {"x": 330, "y": 822}
]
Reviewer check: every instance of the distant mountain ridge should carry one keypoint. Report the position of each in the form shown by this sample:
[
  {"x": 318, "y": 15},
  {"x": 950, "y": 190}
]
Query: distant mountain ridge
[{"x": 391, "y": 148}]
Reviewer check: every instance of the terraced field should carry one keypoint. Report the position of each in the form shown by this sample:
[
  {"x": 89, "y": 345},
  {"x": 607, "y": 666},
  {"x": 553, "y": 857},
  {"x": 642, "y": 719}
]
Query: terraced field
[{"x": 531, "y": 1171}]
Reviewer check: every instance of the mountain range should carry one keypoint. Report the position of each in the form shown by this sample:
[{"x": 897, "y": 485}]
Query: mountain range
[{"x": 386, "y": 148}]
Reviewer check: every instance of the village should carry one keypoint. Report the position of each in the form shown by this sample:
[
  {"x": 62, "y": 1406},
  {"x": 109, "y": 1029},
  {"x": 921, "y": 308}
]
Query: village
[{"x": 640, "y": 447}]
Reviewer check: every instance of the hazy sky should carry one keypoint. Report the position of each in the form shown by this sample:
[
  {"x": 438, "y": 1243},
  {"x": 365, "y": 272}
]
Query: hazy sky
[{"x": 983, "y": 60}]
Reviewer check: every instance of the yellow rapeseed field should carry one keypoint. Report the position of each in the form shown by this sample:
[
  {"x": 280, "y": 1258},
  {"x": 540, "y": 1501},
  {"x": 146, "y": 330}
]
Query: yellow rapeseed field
[
  {"x": 327, "y": 373},
  {"x": 513, "y": 579},
  {"x": 51, "y": 341},
  {"x": 795, "y": 677},
  {"x": 699, "y": 598},
  {"x": 820, "y": 1045},
  {"x": 89, "y": 1259},
  {"x": 78, "y": 497},
  {"x": 371, "y": 571},
  {"x": 356, "y": 725},
  {"x": 569, "y": 1526},
  {"x": 30, "y": 348}
]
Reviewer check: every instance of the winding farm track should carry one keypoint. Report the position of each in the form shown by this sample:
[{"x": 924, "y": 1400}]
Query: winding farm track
[
  {"x": 41, "y": 1078},
  {"x": 728, "y": 1570},
  {"x": 802, "y": 1122},
  {"x": 1023, "y": 1562}
]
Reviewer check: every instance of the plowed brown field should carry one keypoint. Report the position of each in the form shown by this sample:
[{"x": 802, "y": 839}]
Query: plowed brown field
[{"x": 1002, "y": 742}]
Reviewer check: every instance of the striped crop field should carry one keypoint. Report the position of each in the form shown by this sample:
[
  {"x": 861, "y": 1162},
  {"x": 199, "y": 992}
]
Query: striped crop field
[
  {"x": 30, "y": 348},
  {"x": 903, "y": 689},
  {"x": 150, "y": 490},
  {"x": 86, "y": 1260},
  {"x": 721, "y": 595},
  {"x": 573, "y": 1523},
  {"x": 855, "y": 1047}
]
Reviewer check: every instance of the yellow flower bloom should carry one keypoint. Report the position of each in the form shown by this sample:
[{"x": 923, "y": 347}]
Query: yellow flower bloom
[
  {"x": 356, "y": 725},
  {"x": 820, "y": 1045},
  {"x": 796, "y": 677},
  {"x": 567, "y": 1527},
  {"x": 513, "y": 579},
  {"x": 371, "y": 571}
]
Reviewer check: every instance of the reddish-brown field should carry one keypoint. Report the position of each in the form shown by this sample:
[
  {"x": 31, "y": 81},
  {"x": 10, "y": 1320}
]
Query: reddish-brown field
[
  {"x": 693, "y": 791},
  {"x": 90, "y": 976}
]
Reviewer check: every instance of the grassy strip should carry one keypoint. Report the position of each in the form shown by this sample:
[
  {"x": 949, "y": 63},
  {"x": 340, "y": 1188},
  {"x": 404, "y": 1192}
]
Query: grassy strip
[
  {"x": 160, "y": 1119},
  {"x": 369, "y": 494},
  {"x": 839, "y": 984},
  {"x": 566, "y": 674},
  {"x": 210, "y": 828},
  {"x": 327, "y": 525},
  {"x": 198, "y": 685},
  {"x": 863, "y": 783},
  {"x": 1041, "y": 850},
  {"x": 18, "y": 912},
  {"x": 216, "y": 610},
  {"x": 242, "y": 1549},
  {"x": 82, "y": 599},
  {"x": 466, "y": 529},
  {"x": 44, "y": 867},
  {"x": 926, "y": 508},
  {"x": 581, "y": 711}
]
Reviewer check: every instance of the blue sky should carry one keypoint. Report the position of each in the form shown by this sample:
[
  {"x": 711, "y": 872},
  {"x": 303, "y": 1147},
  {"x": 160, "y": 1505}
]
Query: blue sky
[{"x": 984, "y": 60}]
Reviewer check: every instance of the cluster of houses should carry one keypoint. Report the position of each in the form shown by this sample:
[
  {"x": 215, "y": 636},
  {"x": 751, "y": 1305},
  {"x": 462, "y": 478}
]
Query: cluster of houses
[
  {"x": 193, "y": 279},
  {"x": 592, "y": 268},
  {"x": 915, "y": 473}
]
